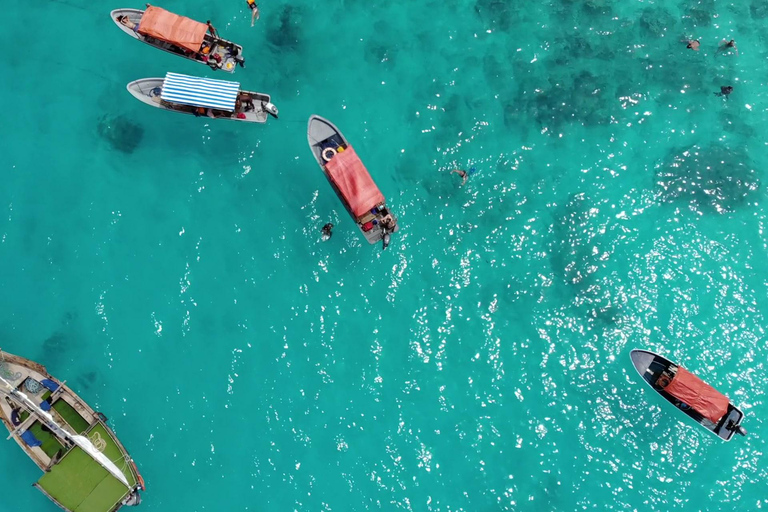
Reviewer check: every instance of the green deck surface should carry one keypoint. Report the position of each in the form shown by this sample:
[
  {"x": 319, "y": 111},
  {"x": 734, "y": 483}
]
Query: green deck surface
[
  {"x": 50, "y": 444},
  {"x": 80, "y": 484},
  {"x": 71, "y": 416}
]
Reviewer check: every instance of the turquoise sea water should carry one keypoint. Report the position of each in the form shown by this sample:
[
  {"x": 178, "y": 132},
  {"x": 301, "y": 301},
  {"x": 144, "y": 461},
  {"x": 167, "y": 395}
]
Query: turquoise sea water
[{"x": 171, "y": 269}]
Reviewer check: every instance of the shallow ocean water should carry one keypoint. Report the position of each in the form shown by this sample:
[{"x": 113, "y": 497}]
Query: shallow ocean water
[{"x": 171, "y": 269}]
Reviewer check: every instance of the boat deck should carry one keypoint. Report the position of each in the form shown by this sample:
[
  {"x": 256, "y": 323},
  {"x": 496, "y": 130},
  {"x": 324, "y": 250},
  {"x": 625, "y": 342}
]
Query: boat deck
[{"x": 80, "y": 484}]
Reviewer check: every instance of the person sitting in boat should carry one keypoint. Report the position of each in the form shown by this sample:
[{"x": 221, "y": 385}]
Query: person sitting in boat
[
  {"x": 213, "y": 60},
  {"x": 388, "y": 223},
  {"x": 664, "y": 379},
  {"x": 123, "y": 19},
  {"x": 202, "y": 111},
  {"x": 234, "y": 52}
]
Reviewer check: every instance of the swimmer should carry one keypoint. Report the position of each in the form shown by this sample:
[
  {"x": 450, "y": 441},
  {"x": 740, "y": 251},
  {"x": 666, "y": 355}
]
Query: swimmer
[
  {"x": 461, "y": 173},
  {"x": 728, "y": 46},
  {"x": 327, "y": 231},
  {"x": 693, "y": 44},
  {"x": 725, "y": 90},
  {"x": 464, "y": 174},
  {"x": 254, "y": 10}
]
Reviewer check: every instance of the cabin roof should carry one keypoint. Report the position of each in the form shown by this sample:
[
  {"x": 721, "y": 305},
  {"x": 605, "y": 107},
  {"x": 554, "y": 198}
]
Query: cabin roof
[
  {"x": 354, "y": 182},
  {"x": 166, "y": 26},
  {"x": 200, "y": 92}
]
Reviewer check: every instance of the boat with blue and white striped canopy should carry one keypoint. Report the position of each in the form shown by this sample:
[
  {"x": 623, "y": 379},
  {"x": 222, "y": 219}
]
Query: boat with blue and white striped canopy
[{"x": 217, "y": 99}]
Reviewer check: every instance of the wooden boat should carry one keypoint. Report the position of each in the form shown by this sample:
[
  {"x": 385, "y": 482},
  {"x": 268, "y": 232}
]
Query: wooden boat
[
  {"x": 217, "y": 99},
  {"x": 86, "y": 467},
  {"x": 351, "y": 181},
  {"x": 180, "y": 36},
  {"x": 700, "y": 401}
]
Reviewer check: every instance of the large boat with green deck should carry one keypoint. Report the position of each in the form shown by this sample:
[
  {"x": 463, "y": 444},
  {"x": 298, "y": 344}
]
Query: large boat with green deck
[{"x": 86, "y": 468}]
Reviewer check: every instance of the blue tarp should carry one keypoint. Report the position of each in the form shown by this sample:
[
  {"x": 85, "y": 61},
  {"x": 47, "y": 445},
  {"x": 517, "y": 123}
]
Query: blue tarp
[
  {"x": 44, "y": 405},
  {"x": 49, "y": 384},
  {"x": 200, "y": 92},
  {"x": 30, "y": 439}
]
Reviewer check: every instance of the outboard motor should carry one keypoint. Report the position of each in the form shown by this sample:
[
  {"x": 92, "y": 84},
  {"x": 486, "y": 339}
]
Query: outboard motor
[
  {"x": 269, "y": 108},
  {"x": 737, "y": 429},
  {"x": 385, "y": 241}
]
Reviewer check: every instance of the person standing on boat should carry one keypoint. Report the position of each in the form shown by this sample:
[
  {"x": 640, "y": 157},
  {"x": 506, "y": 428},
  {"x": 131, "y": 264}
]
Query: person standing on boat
[
  {"x": 212, "y": 29},
  {"x": 255, "y": 10}
]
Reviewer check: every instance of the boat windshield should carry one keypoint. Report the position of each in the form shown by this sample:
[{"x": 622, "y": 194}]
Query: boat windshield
[
  {"x": 702, "y": 397},
  {"x": 353, "y": 181},
  {"x": 172, "y": 28},
  {"x": 200, "y": 92}
]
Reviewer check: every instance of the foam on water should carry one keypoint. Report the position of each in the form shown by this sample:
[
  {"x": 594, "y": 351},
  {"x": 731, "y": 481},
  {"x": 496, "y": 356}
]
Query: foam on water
[{"x": 171, "y": 268}]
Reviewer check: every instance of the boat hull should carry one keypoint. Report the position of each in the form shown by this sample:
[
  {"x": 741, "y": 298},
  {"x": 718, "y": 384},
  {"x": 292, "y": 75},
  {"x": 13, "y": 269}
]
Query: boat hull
[
  {"x": 321, "y": 133},
  {"x": 147, "y": 90},
  {"x": 650, "y": 366}
]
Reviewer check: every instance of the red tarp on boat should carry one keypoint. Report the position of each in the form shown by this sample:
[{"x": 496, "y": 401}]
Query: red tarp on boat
[
  {"x": 166, "y": 26},
  {"x": 353, "y": 181},
  {"x": 705, "y": 399}
]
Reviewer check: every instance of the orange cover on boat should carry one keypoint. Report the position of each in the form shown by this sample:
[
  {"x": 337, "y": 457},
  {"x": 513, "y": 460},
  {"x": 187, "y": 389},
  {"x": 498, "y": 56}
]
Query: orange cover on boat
[
  {"x": 704, "y": 399},
  {"x": 164, "y": 25},
  {"x": 353, "y": 181}
]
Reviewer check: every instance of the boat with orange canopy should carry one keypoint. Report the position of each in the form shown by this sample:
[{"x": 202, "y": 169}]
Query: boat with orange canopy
[
  {"x": 700, "y": 401},
  {"x": 180, "y": 36},
  {"x": 351, "y": 181}
]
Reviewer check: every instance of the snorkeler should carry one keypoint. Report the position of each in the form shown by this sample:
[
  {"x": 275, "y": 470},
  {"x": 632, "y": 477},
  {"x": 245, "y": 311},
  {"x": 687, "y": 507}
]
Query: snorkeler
[
  {"x": 464, "y": 174},
  {"x": 327, "y": 231},
  {"x": 727, "y": 46},
  {"x": 725, "y": 90},
  {"x": 693, "y": 44}
]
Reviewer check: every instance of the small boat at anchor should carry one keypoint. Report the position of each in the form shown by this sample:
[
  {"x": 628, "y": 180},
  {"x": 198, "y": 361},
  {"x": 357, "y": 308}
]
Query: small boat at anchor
[
  {"x": 180, "y": 36},
  {"x": 700, "y": 401},
  {"x": 351, "y": 181},
  {"x": 86, "y": 467},
  {"x": 203, "y": 97}
]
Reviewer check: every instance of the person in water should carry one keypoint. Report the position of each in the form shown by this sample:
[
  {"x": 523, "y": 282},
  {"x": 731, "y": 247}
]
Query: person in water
[
  {"x": 327, "y": 231},
  {"x": 212, "y": 29},
  {"x": 464, "y": 174},
  {"x": 728, "y": 46},
  {"x": 725, "y": 90},
  {"x": 693, "y": 44},
  {"x": 254, "y": 10}
]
